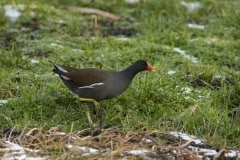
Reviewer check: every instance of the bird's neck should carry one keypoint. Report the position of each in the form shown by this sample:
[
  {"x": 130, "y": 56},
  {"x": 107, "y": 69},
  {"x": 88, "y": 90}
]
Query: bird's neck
[{"x": 131, "y": 71}]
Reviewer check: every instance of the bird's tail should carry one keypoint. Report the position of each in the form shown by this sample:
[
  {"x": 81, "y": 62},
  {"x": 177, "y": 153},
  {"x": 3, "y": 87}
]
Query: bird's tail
[{"x": 58, "y": 68}]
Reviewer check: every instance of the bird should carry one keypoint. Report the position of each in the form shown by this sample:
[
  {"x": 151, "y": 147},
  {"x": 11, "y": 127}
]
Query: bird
[{"x": 93, "y": 85}]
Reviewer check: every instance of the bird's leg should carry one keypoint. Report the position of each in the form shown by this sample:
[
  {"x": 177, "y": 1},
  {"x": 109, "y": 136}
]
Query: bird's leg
[
  {"x": 97, "y": 106},
  {"x": 100, "y": 118},
  {"x": 91, "y": 101},
  {"x": 88, "y": 114}
]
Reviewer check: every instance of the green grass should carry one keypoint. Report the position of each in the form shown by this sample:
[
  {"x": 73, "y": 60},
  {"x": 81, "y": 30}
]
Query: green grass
[{"x": 38, "y": 98}]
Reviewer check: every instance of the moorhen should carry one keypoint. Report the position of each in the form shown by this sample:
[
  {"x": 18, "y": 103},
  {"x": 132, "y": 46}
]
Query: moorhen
[{"x": 92, "y": 85}]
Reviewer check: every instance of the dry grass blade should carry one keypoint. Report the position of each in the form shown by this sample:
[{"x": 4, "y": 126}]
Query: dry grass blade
[
  {"x": 185, "y": 144},
  {"x": 3, "y": 145},
  {"x": 189, "y": 110},
  {"x": 94, "y": 11},
  {"x": 218, "y": 154}
]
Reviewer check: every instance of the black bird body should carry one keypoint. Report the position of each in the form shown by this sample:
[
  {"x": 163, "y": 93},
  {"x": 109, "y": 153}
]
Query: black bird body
[{"x": 99, "y": 84}]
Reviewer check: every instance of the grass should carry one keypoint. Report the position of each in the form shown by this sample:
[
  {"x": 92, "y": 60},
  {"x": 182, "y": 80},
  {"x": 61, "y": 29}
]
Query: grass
[{"x": 47, "y": 30}]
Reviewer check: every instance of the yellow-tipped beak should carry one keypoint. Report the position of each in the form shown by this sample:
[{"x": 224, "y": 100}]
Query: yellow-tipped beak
[{"x": 151, "y": 68}]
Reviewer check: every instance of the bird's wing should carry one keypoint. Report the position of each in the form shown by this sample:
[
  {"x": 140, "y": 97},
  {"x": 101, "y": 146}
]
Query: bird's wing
[
  {"x": 87, "y": 76},
  {"x": 81, "y": 77}
]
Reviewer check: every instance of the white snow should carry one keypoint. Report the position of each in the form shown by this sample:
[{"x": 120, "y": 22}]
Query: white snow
[
  {"x": 187, "y": 137},
  {"x": 12, "y": 12},
  {"x": 3, "y": 101},
  {"x": 183, "y": 53},
  {"x": 34, "y": 61},
  {"x": 206, "y": 152},
  {"x": 171, "y": 72},
  {"x": 16, "y": 152},
  {"x": 56, "y": 45},
  {"x": 196, "y": 26},
  {"x": 137, "y": 152},
  {"x": 132, "y": 1},
  {"x": 191, "y": 6}
]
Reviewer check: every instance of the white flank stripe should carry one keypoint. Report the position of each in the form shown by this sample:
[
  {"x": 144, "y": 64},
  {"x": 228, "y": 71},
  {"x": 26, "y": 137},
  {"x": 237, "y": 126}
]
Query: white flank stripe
[
  {"x": 64, "y": 77},
  {"x": 92, "y": 85}
]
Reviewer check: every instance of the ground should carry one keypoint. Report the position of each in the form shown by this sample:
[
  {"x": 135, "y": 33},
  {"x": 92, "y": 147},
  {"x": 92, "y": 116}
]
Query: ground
[{"x": 194, "y": 46}]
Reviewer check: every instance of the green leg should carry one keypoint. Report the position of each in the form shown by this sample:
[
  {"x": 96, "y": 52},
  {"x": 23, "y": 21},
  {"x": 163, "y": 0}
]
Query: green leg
[
  {"x": 97, "y": 106},
  {"x": 88, "y": 115}
]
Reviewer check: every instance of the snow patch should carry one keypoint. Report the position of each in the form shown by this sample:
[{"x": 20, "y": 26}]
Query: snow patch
[
  {"x": 131, "y": 1},
  {"x": 187, "y": 137},
  {"x": 183, "y": 53},
  {"x": 196, "y": 26},
  {"x": 3, "y": 101},
  {"x": 191, "y": 6},
  {"x": 137, "y": 152},
  {"x": 34, "y": 61},
  {"x": 171, "y": 72},
  {"x": 12, "y": 12}
]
